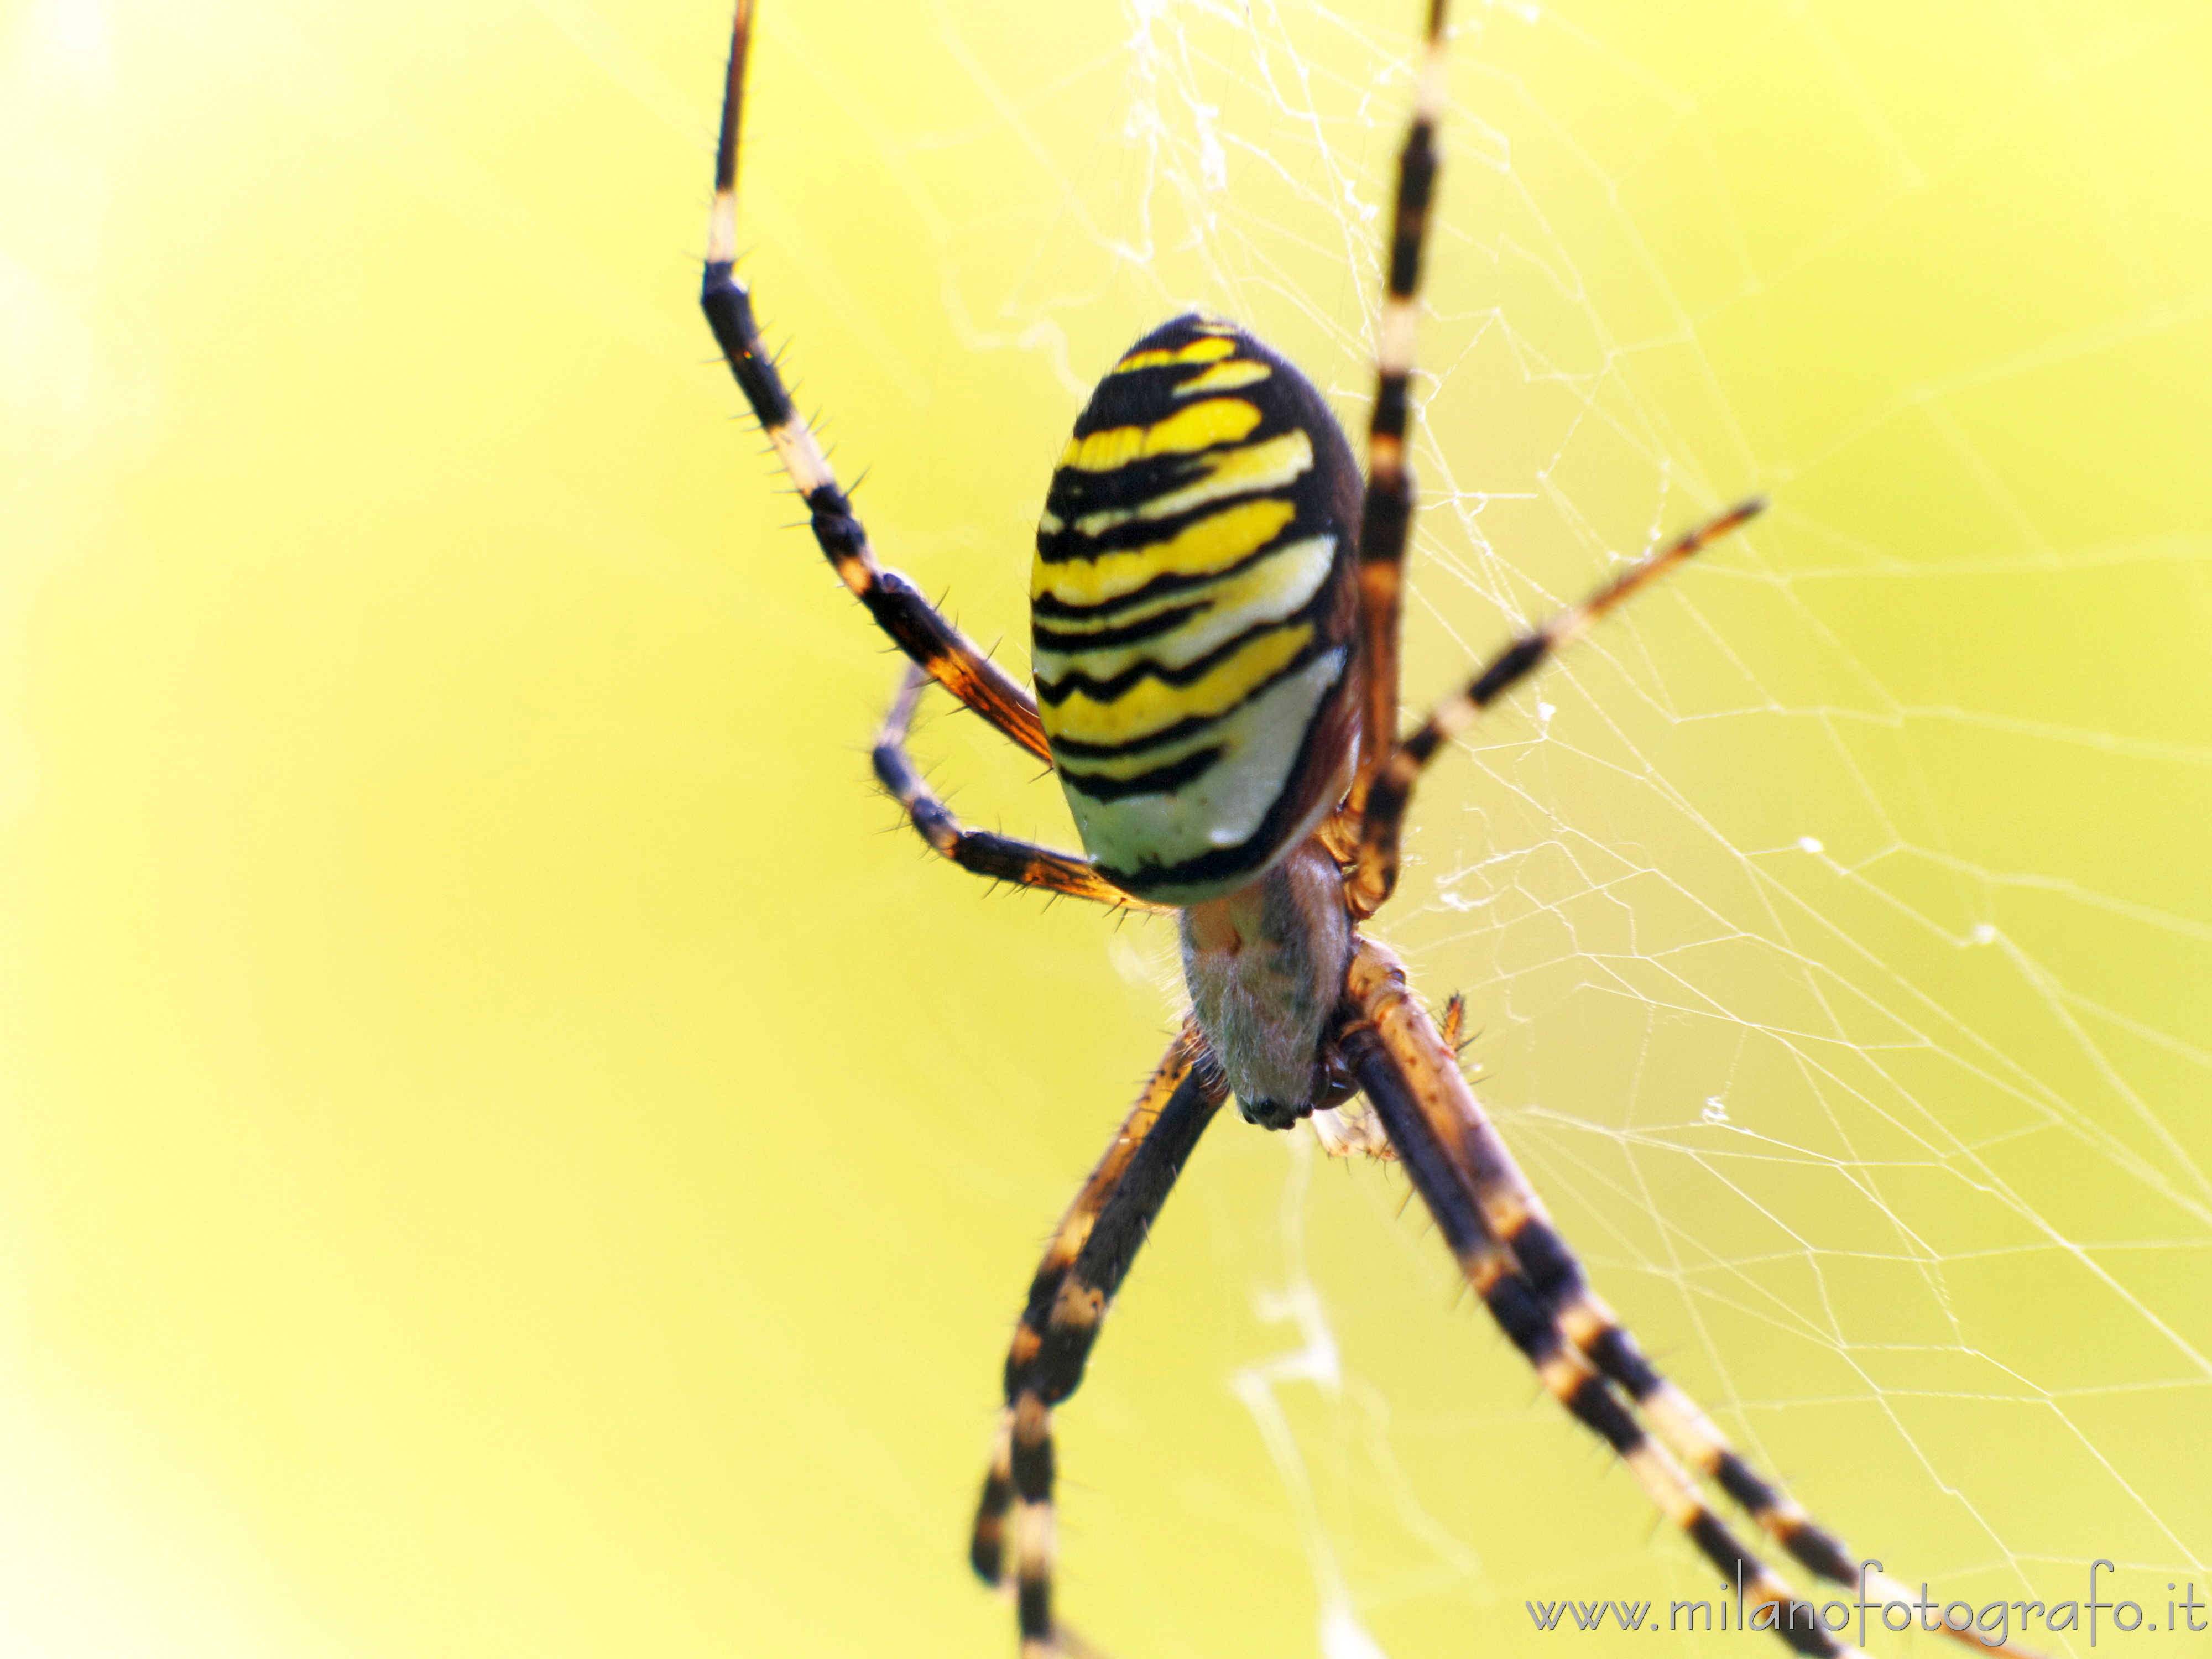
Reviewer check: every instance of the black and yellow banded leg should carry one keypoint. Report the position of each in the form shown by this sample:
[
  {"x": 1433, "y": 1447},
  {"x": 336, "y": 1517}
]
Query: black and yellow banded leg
[
  {"x": 1082, "y": 1267},
  {"x": 1535, "y": 1287},
  {"x": 1555, "y": 1278},
  {"x": 1001, "y": 859},
  {"x": 1383, "y": 812},
  {"x": 898, "y": 608},
  {"x": 1413, "y": 1086},
  {"x": 987, "y": 1547},
  {"x": 1387, "y": 513}
]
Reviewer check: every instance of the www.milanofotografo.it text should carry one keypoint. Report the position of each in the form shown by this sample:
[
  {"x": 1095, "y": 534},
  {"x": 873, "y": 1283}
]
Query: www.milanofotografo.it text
[{"x": 1993, "y": 1623}]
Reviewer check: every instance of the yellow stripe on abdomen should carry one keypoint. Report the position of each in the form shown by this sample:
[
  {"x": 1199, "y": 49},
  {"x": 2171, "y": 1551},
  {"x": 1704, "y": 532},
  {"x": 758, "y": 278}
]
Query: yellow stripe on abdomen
[
  {"x": 1271, "y": 464},
  {"x": 1203, "y": 549},
  {"x": 1152, "y": 706},
  {"x": 1193, "y": 597},
  {"x": 1202, "y": 426},
  {"x": 1222, "y": 376},
  {"x": 1203, "y": 618},
  {"x": 1210, "y": 349}
]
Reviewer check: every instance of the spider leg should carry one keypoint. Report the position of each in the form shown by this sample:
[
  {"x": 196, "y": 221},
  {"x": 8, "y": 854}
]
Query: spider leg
[
  {"x": 1530, "y": 1281},
  {"x": 1001, "y": 859},
  {"x": 1082, "y": 1267},
  {"x": 897, "y": 606},
  {"x": 1427, "y": 1124},
  {"x": 1383, "y": 812},
  {"x": 1342, "y": 1135},
  {"x": 1387, "y": 511}
]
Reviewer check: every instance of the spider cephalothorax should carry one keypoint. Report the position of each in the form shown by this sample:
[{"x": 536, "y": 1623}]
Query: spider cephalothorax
[{"x": 1215, "y": 599}]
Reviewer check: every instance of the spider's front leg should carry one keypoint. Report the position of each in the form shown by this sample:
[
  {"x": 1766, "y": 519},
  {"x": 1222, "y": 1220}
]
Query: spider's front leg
[
  {"x": 1381, "y": 812},
  {"x": 946, "y": 654},
  {"x": 999, "y": 857},
  {"x": 1082, "y": 1267},
  {"x": 1386, "y": 515}
]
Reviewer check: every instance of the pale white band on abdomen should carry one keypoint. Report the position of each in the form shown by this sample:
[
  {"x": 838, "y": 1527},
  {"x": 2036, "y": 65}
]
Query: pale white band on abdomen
[{"x": 1224, "y": 806}]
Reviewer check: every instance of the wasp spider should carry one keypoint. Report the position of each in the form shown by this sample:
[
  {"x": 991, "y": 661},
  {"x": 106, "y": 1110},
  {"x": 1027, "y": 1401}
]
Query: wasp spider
[{"x": 1215, "y": 600}]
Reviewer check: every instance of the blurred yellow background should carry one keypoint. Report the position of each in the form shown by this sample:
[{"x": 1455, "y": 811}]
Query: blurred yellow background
[{"x": 508, "y": 1148}]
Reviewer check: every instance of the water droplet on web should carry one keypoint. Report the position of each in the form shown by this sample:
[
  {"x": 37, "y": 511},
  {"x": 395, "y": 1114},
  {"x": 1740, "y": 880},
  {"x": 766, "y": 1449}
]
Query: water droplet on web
[
  {"x": 1716, "y": 1110},
  {"x": 1809, "y": 844}
]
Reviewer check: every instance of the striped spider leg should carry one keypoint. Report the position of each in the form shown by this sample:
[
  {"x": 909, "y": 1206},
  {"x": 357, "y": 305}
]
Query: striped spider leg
[
  {"x": 934, "y": 643},
  {"x": 1367, "y": 834},
  {"x": 1490, "y": 1215},
  {"x": 1502, "y": 1239},
  {"x": 1215, "y": 603},
  {"x": 1386, "y": 517},
  {"x": 1090, "y": 1253},
  {"x": 978, "y": 851}
]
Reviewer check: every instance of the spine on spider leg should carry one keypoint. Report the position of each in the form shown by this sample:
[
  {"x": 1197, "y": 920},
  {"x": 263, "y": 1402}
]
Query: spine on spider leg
[
  {"x": 729, "y": 307},
  {"x": 726, "y": 302},
  {"x": 1386, "y": 517}
]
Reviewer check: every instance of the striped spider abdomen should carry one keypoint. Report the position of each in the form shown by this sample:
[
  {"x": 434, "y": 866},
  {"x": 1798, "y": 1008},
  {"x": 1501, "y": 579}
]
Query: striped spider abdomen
[{"x": 1195, "y": 605}]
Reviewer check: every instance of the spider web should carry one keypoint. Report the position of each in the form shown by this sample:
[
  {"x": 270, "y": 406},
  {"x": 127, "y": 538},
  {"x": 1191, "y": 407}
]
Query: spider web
[{"x": 1832, "y": 927}]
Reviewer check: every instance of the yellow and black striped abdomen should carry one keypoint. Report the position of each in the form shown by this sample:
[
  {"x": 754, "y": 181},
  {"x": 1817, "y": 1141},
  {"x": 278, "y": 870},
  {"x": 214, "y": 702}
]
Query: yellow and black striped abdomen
[{"x": 1194, "y": 604}]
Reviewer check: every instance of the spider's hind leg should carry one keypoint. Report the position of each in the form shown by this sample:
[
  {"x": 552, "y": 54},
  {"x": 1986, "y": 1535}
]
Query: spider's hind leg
[
  {"x": 1082, "y": 1267},
  {"x": 1532, "y": 1284},
  {"x": 1556, "y": 1280}
]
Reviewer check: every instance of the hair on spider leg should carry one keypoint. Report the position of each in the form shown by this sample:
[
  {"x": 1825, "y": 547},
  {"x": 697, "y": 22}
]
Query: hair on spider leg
[
  {"x": 1449, "y": 1026},
  {"x": 818, "y": 424}
]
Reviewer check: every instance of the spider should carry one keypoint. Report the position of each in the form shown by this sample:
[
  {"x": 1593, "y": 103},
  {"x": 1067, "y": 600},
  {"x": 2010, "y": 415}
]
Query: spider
[{"x": 1215, "y": 605}]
